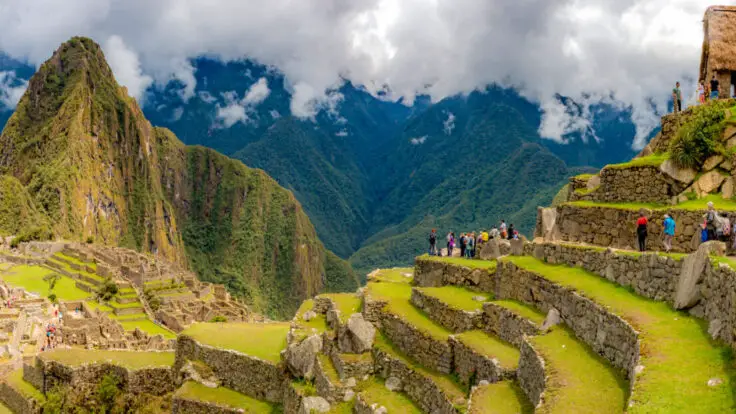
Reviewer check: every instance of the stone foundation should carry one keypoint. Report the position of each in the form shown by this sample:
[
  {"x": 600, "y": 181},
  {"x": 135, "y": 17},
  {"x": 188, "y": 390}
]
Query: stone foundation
[
  {"x": 455, "y": 320},
  {"x": 248, "y": 375}
]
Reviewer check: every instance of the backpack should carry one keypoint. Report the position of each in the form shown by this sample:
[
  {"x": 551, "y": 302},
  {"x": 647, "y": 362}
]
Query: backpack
[{"x": 432, "y": 237}]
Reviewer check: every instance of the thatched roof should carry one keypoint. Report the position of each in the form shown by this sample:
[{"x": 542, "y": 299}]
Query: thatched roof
[{"x": 719, "y": 47}]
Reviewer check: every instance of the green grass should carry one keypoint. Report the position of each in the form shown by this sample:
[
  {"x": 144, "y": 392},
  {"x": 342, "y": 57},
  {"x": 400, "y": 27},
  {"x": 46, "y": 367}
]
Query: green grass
[
  {"x": 224, "y": 396},
  {"x": 397, "y": 296},
  {"x": 317, "y": 323},
  {"x": 490, "y": 265},
  {"x": 492, "y": 347},
  {"x": 30, "y": 278},
  {"x": 15, "y": 380},
  {"x": 147, "y": 326},
  {"x": 457, "y": 297},
  {"x": 4, "y": 409},
  {"x": 116, "y": 305},
  {"x": 346, "y": 303},
  {"x": 82, "y": 271},
  {"x": 583, "y": 177},
  {"x": 68, "y": 258},
  {"x": 448, "y": 384},
  {"x": 522, "y": 310},
  {"x": 395, "y": 275},
  {"x": 701, "y": 204},
  {"x": 503, "y": 397},
  {"x": 329, "y": 369},
  {"x": 261, "y": 340},
  {"x": 127, "y": 359},
  {"x": 395, "y": 402},
  {"x": 580, "y": 381},
  {"x": 654, "y": 160},
  {"x": 678, "y": 355}
]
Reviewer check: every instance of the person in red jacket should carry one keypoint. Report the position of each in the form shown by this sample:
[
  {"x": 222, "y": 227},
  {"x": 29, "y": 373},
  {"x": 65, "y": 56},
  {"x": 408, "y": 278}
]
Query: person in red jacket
[{"x": 641, "y": 231}]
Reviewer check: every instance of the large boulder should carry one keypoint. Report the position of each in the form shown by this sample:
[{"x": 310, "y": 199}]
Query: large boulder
[
  {"x": 548, "y": 223},
  {"x": 356, "y": 337},
  {"x": 593, "y": 182},
  {"x": 687, "y": 294},
  {"x": 727, "y": 190},
  {"x": 300, "y": 357},
  {"x": 683, "y": 175},
  {"x": 311, "y": 405},
  {"x": 552, "y": 319},
  {"x": 490, "y": 250},
  {"x": 709, "y": 182},
  {"x": 505, "y": 247},
  {"x": 712, "y": 162},
  {"x": 517, "y": 247}
]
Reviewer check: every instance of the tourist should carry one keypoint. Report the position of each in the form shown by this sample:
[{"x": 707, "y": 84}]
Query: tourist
[
  {"x": 677, "y": 97},
  {"x": 469, "y": 246},
  {"x": 712, "y": 222},
  {"x": 450, "y": 243},
  {"x": 703, "y": 232},
  {"x": 479, "y": 240},
  {"x": 641, "y": 231},
  {"x": 701, "y": 93},
  {"x": 511, "y": 231},
  {"x": 502, "y": 227},
  {"x": 493, "y": 233},
  {"x": 433, "y": 243},
  {"x": 463, "y": 244},
  {"x": 714, "y": 85},
  {"x": 516, "y": 235},
  {"x": 669, "y": 232},
  {"x": 485, "y": 236}
]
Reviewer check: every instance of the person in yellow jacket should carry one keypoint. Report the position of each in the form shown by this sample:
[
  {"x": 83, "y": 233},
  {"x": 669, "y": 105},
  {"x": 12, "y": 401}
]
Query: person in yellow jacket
[{"x": 484, "y": 235}]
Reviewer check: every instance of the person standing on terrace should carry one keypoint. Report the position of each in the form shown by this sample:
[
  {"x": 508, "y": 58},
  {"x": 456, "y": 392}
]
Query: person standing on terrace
[
  {"x": 641, "y": 231},
  {"x": 677, "y": 97},
  {"x": 433, "y": 243},
  {"x": 714, "y": 91},
  {"x": 669, "y": 232}
]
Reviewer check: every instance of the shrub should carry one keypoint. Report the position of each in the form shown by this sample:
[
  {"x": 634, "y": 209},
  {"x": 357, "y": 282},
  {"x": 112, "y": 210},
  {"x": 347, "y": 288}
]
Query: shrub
[
  {"x": 90, "y": 239},
  {"x": 219, "y": 318},
  {"x": 52, "y": 297},
  {"x": 107, "y": 391},
  {"x": 34, "y": 233},
  {"x": 107, "y": 290},
  {"x": 700, "y": 137}
]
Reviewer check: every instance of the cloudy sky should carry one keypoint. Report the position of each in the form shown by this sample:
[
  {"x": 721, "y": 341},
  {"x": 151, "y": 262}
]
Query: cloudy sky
[{"x": 624, "y": 52}]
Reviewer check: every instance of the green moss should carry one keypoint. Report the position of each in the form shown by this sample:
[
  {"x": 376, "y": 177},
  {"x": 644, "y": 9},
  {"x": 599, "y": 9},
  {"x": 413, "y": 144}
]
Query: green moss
[
  {"x": 128, "y": 359},
  {"x": 654, "y": 160},
  {"x": 396, "y": 402},
  {"x": 489, "y": 265},
  {"x": 264, "y": 340},
  {"x": 579, "y": 379},
  {"x": 522, "y": 310},
  {"x": 678, "y": 355},
  {"x": 492, "y": 347},
  {"x": 16, "y": 381},
  {"x": 457, "y": 297},
  {"x": 30, "y": 278},
  {"x": 192, "y": 390},
  {"x": 397, "y": 296},
  {"x": 504, "y": 397}
]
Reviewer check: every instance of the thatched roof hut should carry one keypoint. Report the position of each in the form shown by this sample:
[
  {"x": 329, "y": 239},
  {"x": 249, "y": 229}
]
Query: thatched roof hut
[{"x": 719, "y": 46}]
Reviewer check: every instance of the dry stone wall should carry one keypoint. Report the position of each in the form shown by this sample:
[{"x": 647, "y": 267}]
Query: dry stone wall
[
  {"x": 473, "y": 366},
  {"x": 455, "y": 320},
  {"x": 17, "y": 402},
  {"x": 354, "y": 366},
  {"x": 644, "y": 184},
  {"x": 186, "y": 406},
  {"x": 531, "y": 373},
  {"x": 433, "y": 273},
  {"x": 248, "y": 375},
  {"x": 507, "y": 325},
  {"x": 608, "y": 334}
]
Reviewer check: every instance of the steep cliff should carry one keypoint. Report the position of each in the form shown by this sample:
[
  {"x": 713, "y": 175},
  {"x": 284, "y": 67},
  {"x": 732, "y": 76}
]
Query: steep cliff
[{"x": 97, "y": 169}]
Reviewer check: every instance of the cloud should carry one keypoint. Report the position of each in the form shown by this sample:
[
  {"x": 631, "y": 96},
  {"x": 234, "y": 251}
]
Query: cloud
[
  {"x": 236, "y": 110},
  {"x": 126, "y": 67},
  {"x": 11, "y": 89},
  {"x": 449, "y": 123},
  {"x": 418, "y": 140},
  {"x": 625, "y": 52}
]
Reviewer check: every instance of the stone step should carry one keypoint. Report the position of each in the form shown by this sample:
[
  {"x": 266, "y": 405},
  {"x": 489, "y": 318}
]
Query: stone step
[
  {"x": 602, "y": 314},
  {"x": 376, "y": 394},
  {"x": 504, "y": 397},
  {"x": 193, "y": 397},
  {"x": 560, "y": 374}
]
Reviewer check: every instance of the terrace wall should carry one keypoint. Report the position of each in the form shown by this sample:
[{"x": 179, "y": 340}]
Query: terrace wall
[
  {"x": 453, "y": 319},
  {"x": 643, "y": 184},
  {"x": 434, "y": 273}
]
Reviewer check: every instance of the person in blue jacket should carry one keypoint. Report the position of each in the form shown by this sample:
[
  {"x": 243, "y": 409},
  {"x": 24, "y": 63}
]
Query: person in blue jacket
[{"x": 669, "y": 232}]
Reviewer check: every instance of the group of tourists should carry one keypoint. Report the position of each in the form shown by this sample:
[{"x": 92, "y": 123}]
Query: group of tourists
[
  {"x": 470, "y": 243},
  {"x": 709, "y": 91},
  {"x": 713, "y": 227}
]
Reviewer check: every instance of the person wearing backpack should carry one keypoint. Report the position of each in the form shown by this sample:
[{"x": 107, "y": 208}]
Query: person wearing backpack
[
  {"x": 669, "y": 232},
  {"x": 433, "y": 243}
]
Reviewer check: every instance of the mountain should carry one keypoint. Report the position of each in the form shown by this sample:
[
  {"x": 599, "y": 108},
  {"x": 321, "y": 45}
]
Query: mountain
[{"x": 80, "y": 152}]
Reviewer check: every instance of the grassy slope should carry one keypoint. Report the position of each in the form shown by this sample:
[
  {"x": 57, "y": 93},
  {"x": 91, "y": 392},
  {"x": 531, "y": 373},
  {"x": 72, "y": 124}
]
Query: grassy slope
[
  {"x": 678, "y": 355},
  {"x": 30, "y": 278},
  {"x": 503, "y": 397},
  {"x": 15, "y": 380},
  {"x": 395, "y": 402},
  {"x": 264, "y": 340},
  {"x": 224, "y": 396},
  {"x": 691, "y": 205},
  {"x": 128, "y": 359},
  {"x": 491, "y": 347}
]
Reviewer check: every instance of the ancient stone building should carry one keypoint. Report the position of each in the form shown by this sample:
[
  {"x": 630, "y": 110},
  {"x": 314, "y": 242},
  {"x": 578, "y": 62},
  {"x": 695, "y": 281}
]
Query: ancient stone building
[{"x": 719, "y": 48}]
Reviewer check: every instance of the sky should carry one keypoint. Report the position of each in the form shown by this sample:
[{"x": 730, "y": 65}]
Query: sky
[{"x": 626, "y": 53}]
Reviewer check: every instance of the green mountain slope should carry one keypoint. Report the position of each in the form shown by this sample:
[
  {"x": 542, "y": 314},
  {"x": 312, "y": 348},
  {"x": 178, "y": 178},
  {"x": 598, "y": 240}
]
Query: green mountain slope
[{"x": 96, "y": 168}]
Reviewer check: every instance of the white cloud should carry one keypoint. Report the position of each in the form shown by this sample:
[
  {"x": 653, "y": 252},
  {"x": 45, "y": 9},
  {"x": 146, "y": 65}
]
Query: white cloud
[
  {"x": 342, "y": 133},
  {"x": 274, "y": 114},
  {"x": 449, "y": 123},
  {"x": 418, "y": 140},
  {"x": 126, "y": 67},
  {"x": 231, "y": 114},
  {"x": 11, "y": 89},
  {"x": 257, "y": 93},
  {"x": 236, "y": 110},
  {"x": 206, "y": 97},
  {"x": 627, "y": 51}
]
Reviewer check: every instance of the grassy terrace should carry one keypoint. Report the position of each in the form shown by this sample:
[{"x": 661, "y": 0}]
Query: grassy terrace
[
  {"x": 317, "y": 323},
  {"x": 68, "y": 258},
  {"x": 147, "y": 326},
  {"x": 127, "y": 359},
  {"x": 678, "y": 355},
  {"x": 448, "y": 384},
  {"x": 346, "y": 303},
  {"x": 396, "y": 275},
  {"x": 30, "y": 278},
  {"x": 15, "y": 380},
  {"x": 719, "y": 202},
  {"x": 397, "y": 296},
  {"x": 522, "y": 310},
  {"x": 491, "y": 347},
  {"x": 654, "y": 160},
  {"x": 503, "y": 397},
  {"x": 192, "y": 390},
  {"x": 329, "y": 369},
  {"x": 261, "y": 340},
  {"x": 69, "y": 269},
  {"x": 376, "y": 392},
  {"x": 456, "y": 297},
  {"x": 580, "y": 381},
  {"x": 471, "y": 263}
]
